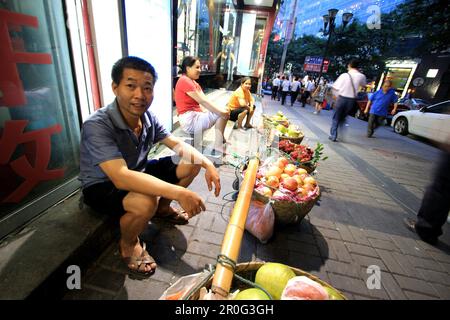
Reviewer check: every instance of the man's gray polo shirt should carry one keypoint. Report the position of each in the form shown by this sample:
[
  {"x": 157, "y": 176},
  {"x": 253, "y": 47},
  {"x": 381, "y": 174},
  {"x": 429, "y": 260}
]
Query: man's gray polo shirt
[{"x": 106, "y": 136}]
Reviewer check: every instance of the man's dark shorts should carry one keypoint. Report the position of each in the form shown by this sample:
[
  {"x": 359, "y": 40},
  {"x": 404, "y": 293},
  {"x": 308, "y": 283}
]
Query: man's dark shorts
[{"x": 106, "y": 198}]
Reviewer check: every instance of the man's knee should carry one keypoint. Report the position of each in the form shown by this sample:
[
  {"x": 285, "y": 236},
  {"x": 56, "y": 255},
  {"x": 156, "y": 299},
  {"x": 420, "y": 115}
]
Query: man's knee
[
  {"x": 188, "y": 170},
  {"x": 141, "y": 205},
  {"x": 195, "y": 170}
]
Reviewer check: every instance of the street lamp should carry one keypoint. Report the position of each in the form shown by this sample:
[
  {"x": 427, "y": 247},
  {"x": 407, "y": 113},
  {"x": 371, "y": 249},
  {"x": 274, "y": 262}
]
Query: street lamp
[{"x": 329, "y": 24}]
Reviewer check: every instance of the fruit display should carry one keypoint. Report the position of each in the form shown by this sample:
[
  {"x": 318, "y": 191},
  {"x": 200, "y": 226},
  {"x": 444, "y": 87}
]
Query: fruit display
[
  {"x": 303, "y": 288},
  {"x": 302, "y": 154},
  {"x": 278, "y": 119},
  {"x": 290, "y": 189},
  {"x": 282, "y": 283},
  {"x": 284, "y": 181},
  {"x": 274, "y": 277}
]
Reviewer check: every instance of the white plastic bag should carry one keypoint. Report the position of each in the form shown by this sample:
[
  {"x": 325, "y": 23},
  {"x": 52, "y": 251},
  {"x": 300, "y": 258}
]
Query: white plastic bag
[
  {"x": 180, "y": 289},
  {"x": 260, "y": 220}
]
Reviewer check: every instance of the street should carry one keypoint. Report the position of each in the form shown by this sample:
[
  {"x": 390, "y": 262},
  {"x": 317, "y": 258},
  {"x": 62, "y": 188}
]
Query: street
[{"x": 368, "y": 186}]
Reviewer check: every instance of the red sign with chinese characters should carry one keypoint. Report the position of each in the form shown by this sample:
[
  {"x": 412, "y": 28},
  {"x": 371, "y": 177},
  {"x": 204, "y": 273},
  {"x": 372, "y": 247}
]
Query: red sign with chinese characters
[{"x": 30, "y": 168}]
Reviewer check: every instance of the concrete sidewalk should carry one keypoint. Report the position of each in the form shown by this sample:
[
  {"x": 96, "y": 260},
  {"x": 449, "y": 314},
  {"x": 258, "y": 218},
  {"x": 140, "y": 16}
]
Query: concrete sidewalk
[{"x": 368, "y": 187}]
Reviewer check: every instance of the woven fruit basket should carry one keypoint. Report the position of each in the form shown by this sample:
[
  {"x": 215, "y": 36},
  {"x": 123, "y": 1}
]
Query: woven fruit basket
[
  {"x": 288, "y": 208},
  {"x": 288, "y": 212},
  {"x": 269, "y": 123},
  {"x": 246, "y": 270},
  {"x": 310, "y": 168},
  {"x": 296, "y": 140}
]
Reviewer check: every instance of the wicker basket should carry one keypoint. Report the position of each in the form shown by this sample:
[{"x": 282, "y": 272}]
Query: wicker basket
[
  {"x": 309, "y": 168},
  {"x": 288, "y": 212},
  {"x": 296, "y": 140},
  {"x": 248, "y": 270}
]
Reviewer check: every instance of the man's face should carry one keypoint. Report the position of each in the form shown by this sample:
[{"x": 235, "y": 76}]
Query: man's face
[
  {"x": 134, "y": 93},
  {"x": 386, "y": 86}
]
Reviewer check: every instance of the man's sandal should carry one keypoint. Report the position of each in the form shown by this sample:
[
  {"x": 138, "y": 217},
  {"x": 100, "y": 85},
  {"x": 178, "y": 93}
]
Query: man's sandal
[{"x": 140, "y": 262}]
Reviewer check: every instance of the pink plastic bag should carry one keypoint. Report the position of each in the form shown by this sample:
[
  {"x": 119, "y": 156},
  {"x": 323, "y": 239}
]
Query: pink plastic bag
[{"x": 260, "y": 220}]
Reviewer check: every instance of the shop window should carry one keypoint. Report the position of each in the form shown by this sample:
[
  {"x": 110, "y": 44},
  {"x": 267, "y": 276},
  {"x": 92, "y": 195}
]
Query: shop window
[
  {"x": 227, "y": 41},
  {"x": 39, "y": 124}
]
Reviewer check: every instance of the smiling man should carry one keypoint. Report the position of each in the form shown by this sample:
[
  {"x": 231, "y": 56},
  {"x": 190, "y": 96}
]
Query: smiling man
[{"x": 117, "y": 177}]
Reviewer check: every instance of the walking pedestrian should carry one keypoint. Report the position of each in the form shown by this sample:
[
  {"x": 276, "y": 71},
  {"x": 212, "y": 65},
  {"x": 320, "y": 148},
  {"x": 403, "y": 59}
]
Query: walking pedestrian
[
  {"x": 319, "y": 96},
  {"x": 295, "y": 89},
  {"x": 378, "y": 105},
  {"x": 275, "y": 86},
  {"x": 285, "y": 88},
  {"x": 309, "y": 88},
  {"x": 346, "y": 87},
  {"x": 435, "y": 206}
]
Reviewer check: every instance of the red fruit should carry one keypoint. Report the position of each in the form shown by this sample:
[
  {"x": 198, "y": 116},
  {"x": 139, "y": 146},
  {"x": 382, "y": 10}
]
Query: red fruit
[
  {"x": 290, "y": 184},
  {"x": 283, "y": 161},
  {"x": 273, "y": 182}
]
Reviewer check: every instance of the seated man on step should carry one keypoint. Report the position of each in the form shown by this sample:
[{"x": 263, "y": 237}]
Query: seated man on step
[{"x": 117, "y": 177}]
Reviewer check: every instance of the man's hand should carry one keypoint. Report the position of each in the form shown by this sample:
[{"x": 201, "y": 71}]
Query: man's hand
[
  {"x": 212, "y": 176},
  {"x": 366, "y": 111},
  {"x": 190, "y": 202},
  {"x": 393, "y": 112}
]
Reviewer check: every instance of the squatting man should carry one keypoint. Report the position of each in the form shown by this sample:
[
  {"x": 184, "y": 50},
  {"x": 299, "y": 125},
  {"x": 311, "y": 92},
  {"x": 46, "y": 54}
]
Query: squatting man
[{"x": 117, "y": 177}]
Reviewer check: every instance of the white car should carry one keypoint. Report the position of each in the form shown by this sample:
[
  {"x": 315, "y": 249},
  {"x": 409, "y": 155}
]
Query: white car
[{"x": 431, "y": 122}]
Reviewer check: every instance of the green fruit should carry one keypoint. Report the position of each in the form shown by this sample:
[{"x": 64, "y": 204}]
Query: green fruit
[
  {"x": 281, "y": 128},
  {"x": 332, "y": 294},
  {"x": 274, "y": 277},
  {"x": 252, "y": 294},
  {"x": 293, "y": 132}
]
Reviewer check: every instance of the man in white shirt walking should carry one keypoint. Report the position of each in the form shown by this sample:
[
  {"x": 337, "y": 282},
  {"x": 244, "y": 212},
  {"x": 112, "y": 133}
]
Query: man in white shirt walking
[
  {"x": 275, "y": 87},
  {"x": 346, "y": 88},
  {"x": 309, "y": 88},
  {"x": 295, "y": 89},
  {"x": 285, "y": 88}
]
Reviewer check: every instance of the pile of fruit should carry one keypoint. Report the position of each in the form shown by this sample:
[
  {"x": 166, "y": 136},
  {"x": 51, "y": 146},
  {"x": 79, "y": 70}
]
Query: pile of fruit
[
  {"x": 284, "y": 181},
  {"x": 278, "y": 118},
  {"x": 301, "y": 153},
  {"x": 291, "y": 131},
  {"x": 282, "y": 283},
  {"x": 297, "y": 152}
]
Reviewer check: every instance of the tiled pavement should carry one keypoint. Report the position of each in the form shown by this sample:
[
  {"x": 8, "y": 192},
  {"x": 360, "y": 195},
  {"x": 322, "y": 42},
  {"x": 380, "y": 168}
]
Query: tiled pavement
[{"x": 368, "y": 185}]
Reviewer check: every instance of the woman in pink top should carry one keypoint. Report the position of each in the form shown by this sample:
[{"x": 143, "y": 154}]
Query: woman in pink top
[{"x": 196, "y": 112}]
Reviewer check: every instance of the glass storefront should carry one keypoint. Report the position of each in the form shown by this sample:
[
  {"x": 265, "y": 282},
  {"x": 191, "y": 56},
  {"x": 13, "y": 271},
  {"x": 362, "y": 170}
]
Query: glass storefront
[
  {"x": 39, "y": 124},
  {"x": 41, "y": 103},
  {"x": 227, "y": 40}
]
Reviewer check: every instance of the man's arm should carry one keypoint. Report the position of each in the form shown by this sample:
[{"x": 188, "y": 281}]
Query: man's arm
[
  {"x": 191, "y": 155},
  {"x": 139, "y": 182},
  {"x": 369, "y": 103},
  {"x": 205, "y": 102},
  {"x": 394, "y": 111},
  {"x": 336, "y": 87},
  {"x": 395, "y": 101}
]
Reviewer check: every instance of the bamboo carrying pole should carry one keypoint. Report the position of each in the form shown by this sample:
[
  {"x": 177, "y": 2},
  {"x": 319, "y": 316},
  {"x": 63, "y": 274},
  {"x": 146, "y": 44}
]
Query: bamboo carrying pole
[{"x": 231, "y": 244}]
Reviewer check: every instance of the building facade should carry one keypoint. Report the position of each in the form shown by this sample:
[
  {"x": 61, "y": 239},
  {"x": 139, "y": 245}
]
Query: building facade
[{"x": 309, "y": 13}]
